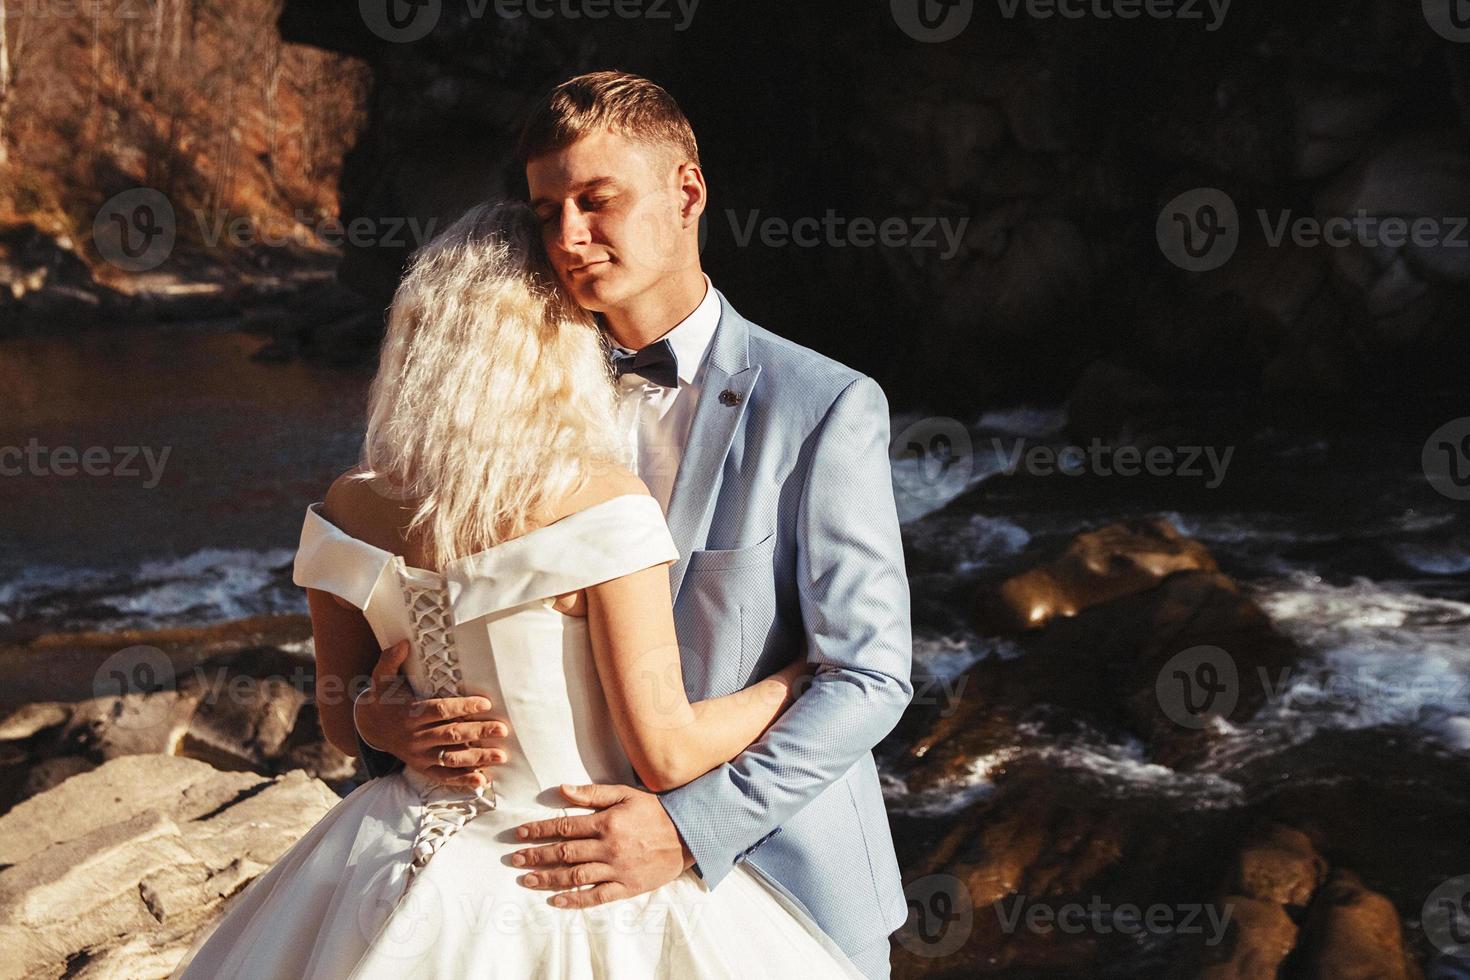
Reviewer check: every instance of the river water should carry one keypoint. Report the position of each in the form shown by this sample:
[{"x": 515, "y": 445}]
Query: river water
[{"x": 212, "y": 458}]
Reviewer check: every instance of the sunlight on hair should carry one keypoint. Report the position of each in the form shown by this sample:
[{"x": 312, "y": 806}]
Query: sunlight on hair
[{"x": 494, "y": 396}]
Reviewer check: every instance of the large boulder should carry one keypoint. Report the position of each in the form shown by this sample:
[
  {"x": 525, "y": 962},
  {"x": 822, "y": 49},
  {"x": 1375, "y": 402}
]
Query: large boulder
[{"x": 111, "y": 873}]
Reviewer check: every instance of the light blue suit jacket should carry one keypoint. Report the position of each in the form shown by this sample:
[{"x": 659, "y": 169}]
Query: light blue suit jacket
[
  {"x": 787, "y": 530},
  {"x": 784, "y": 516}
]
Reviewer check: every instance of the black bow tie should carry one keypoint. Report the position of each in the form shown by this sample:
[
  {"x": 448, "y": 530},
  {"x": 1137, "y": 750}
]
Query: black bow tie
[{"x": 656, "y": 362}]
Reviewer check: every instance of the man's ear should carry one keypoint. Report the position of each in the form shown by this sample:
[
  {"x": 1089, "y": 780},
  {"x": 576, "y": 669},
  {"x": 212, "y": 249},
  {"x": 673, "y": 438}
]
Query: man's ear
[{"x": 693, "y": 195}]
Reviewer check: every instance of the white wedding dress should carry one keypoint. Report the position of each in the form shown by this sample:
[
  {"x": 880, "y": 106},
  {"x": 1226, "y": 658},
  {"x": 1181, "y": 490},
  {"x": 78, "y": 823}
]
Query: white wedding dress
[{"x": 405, "y": 878}]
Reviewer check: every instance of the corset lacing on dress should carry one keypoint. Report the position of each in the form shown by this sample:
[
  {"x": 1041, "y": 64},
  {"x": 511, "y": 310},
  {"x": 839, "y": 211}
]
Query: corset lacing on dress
[{"x": 428, "y": 604}]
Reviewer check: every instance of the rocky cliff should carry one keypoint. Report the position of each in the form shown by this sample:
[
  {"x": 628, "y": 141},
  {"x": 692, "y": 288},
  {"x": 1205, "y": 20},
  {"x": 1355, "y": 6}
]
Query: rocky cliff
[{"x": 1049, "y": 176}]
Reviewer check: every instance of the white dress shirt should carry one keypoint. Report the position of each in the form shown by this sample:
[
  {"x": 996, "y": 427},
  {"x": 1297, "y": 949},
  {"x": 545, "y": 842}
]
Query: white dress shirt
[{"x": 656, "y": 418}]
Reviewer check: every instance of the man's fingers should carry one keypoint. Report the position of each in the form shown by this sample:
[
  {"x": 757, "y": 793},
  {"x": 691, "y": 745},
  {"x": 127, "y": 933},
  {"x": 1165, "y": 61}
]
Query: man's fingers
[
  {"x": 555, "y": 879},
  {"x": 472, "y": 781},
  {"x": 598, "y": 794},
  {"x": 564, "y": 852},
  {"x": 608, "y": 891},
  {"x": 389, "y": 661},
  {"x": 460, "y": 757},
  {"x": 465, "y": 732},
  {"x": 587, "y": 825},
  {"x": 438, "y": 711}
]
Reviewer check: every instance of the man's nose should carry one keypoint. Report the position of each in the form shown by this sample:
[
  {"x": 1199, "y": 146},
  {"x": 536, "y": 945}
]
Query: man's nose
[{"x": 572, "y": 230}]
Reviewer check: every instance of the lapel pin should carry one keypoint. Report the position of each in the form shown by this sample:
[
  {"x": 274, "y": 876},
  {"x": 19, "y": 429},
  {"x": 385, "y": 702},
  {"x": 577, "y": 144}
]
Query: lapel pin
[{"x": 728, "y": 397}]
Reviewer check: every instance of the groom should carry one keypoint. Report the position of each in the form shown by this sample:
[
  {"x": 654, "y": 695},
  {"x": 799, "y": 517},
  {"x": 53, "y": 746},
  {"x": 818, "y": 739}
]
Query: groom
[{"x": 771, "y": 463}]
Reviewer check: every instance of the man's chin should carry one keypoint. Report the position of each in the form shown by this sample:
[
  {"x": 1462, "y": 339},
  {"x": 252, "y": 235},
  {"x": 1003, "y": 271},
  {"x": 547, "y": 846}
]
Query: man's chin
[{"x": 597, "y": 296}]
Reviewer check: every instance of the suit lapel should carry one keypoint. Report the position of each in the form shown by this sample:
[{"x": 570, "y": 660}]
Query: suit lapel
[{"x": 716, "y": 415}]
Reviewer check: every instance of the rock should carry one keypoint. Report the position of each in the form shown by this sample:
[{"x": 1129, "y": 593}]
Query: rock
[
  {"x": 1056, "y": 172},
  {"x": 1261, "y": 935},
  {"x": 1355, "y": 934},
  {"x": 1282, "y": 867},
  {"x": 133, "y": 724},
  {"x": 241, "y": 726},
  {"x": 1034, "y": 111},
  {"x": 29, "y": 719},
  {"x": 51, "y": 772},
  {"x": 237, "y": 696},
  {"x": 1115, "y": 609},
  {"x": 1335, "y": 121},
  {"x": 1097, "y": 567},
  {"x": 1019, "y": 276},
  {"x": 69, "y": 667},
  {"x": 1119, "y": 406},
  {"x": 114, "y": 870},
  {"x": 1267, "y": 889},
  {"x": 1403, "y": 287}
]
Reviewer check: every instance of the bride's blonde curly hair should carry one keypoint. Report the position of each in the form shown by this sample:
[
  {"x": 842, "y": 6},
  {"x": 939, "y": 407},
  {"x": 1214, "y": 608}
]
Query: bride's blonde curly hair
[{"x": 494, "y": 396}]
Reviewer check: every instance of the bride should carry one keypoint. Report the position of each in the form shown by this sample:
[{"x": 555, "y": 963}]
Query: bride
[{"x": 493, "y": 527}]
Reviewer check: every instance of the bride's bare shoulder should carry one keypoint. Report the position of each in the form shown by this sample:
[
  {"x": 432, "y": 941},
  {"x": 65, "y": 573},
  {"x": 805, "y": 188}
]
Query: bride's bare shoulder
[
  {"x": 353, "y": 498},
  {"x": 605, "y": 481}
]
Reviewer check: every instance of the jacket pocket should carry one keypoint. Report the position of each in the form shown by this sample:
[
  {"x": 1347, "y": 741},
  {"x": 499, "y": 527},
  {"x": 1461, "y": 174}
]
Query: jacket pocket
[{"x": 711, "y": 559}]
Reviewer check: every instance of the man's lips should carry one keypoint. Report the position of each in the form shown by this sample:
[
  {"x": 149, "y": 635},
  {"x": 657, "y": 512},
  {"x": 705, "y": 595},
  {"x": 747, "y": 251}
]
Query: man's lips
[{"x": 585, "y": 266}]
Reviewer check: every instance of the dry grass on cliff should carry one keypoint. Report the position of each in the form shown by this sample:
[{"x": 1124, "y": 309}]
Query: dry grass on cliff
[{"x": 198, "y": 99}]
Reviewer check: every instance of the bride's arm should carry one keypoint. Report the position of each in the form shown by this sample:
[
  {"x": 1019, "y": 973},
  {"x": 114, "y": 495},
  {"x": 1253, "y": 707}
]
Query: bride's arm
[
  {"x": 345, "y": 654},
  {"x": 669, "y": 740}
]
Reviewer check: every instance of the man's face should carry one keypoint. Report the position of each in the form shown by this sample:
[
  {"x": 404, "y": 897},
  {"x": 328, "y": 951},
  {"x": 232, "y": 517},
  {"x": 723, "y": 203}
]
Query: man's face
[{"x": 611, "y": 216}]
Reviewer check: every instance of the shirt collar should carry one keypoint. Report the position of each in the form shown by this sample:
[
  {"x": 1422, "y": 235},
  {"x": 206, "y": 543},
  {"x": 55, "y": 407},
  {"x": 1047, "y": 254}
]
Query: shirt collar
[{"x": 691, "y": 337}]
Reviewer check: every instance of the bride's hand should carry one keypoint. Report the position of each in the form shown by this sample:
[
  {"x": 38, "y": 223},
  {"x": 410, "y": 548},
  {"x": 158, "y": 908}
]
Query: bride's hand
[{"x": 795, "y": 676}]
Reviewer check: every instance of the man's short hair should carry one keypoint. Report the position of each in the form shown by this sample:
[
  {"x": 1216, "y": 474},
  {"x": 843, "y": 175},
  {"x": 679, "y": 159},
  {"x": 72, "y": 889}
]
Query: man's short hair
[{"x": 627, "y": 104}]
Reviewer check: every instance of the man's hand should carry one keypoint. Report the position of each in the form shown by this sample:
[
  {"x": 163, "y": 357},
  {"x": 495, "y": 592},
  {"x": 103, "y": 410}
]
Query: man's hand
[
  {"x": 414, "y": 730},
  {"x": 627, "y": 848}
]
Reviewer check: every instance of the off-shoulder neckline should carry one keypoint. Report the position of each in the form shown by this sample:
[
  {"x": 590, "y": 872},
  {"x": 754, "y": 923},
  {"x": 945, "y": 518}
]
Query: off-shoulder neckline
[{"x": 312, "y": 511}]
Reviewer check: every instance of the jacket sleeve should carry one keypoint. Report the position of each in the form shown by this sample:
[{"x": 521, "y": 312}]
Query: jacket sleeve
[
  {"x": 376, "y": 761},
  {"x": 854, "y": 601}
]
